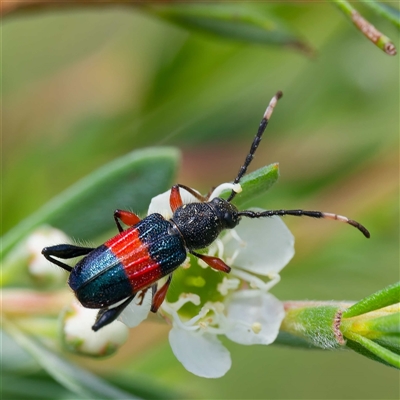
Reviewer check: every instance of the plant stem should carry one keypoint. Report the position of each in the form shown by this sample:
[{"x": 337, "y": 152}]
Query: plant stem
[{"x": 366, "y": 28}]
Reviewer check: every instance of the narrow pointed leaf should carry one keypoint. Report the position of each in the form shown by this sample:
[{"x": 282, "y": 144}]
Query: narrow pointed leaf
[
  {"x": 32, "y": 386},
  {"x": 255, "y": 184},
  {"x": 385, "y": 297},
  {"x": 85, "y": 210},
  {"x": 79, "y": 381},
  {"x": 372, "y": 350},
  {"x": 235, "y": 22},
  {"x": 387, "y": 324},
  {"x": 385, "y": 10}
]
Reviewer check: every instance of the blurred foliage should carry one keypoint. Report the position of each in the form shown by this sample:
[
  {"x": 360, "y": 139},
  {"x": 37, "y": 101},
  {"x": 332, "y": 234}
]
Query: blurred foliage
[
  {"x": 77, "y": 211},
  {"x": 81, "y": 87}
]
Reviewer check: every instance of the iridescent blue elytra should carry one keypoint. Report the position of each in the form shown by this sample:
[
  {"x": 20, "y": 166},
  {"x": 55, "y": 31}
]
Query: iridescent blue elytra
[{"x": 128, "y": 263}]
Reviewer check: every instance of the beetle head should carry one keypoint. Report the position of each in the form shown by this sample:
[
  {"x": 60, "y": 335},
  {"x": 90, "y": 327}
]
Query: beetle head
[{"x": 226, "y": 212}]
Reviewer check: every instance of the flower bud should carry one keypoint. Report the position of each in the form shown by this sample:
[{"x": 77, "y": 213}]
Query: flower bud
[
  {"x": 79, "y": 338},
  {"x": 39, "y": 268},
  {"x": 26, "y": 263}
]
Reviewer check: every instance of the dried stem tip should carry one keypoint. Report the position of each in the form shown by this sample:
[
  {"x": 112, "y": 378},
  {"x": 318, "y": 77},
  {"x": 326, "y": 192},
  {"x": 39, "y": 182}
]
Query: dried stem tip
[{"x": 271, "y": 105}]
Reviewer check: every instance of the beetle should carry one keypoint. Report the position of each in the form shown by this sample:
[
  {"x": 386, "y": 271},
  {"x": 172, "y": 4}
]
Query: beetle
[{"x": 111, "y": 275}]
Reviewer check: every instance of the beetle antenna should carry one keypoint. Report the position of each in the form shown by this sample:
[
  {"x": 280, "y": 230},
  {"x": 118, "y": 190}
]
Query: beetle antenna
[
  {"x": 256, "y": 141},
  {"x": 300, "y": 213}
]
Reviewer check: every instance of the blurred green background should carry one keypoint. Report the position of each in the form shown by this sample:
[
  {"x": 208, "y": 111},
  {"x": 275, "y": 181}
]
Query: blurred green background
[{"x": 81, "y": 87}]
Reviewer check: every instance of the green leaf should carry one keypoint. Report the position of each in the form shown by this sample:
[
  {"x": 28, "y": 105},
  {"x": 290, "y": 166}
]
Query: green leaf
[
  {"x": 144, "y": 386},
  {"x": 13, "y": 357},
  {"x": 385, "y": 10},
  {"x": 385, "y": 331},
  {"x": 32, "y": 386},
  {"x": 255, "y": 184},
  {"x": 390, "y": 342},
  {"x": 388, "y": 324},
  {"x": 81, "y": 382},
  {"x": 385, "y": 297},
  {"x": 85, "y": 209},
  {"x": 371, "y": 327},
  {"x": 372, "y": 350},
  {"x": 364, "y": 352},
  {"x": 236, "y": 22}
]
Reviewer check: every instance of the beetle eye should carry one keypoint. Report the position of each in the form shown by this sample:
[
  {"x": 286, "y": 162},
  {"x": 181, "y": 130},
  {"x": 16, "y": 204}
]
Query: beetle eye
[{"x": 228, "y": 218}]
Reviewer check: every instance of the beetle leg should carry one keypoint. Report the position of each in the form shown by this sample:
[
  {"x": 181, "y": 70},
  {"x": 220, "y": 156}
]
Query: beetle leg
[
  {"x": 127, "y": 217},
  {"x": 159, "y": 296},
  {"x": 142, "y": 294},
  {"x": 107, "y": 315},
  {"x": 209, "y": 193},
  {"x": 214, "y": 262},
  {"x": 64, "y": 251},
  {"x": 175, "y": 199},
  {"x": 198, "y": 196}
]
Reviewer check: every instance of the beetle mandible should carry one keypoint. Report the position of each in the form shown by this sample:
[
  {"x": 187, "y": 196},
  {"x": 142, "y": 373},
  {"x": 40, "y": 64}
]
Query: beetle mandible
[{"x": 111, "y": 275}]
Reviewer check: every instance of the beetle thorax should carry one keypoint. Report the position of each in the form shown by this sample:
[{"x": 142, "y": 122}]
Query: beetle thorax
[{"x": 201, "y": 223}]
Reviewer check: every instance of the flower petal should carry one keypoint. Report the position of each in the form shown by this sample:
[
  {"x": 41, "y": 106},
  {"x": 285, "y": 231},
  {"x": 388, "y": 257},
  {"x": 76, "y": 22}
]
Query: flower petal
[
  {"x": 136, "y": 313},
  {"x": 255, "y": 317},
  {"x": 160, "y": 204},
  {"x": 267, "y": 245},
  {"x": 200, "y": 353}
]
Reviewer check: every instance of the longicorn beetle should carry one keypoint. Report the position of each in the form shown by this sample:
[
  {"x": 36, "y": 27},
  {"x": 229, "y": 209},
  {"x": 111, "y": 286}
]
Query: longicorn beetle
[{"x": 111, "y": 275}]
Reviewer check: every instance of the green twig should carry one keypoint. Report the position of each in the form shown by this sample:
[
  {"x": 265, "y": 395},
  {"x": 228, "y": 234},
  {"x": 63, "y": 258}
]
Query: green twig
[{"x": 366, "y": 28}]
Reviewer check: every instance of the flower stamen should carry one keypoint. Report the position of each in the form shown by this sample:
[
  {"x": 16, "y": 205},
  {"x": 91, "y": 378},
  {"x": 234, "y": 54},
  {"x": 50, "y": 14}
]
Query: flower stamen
[
  {"x": 225, "y": 186},
  {"x": 228, "y": 284},
  {"x": 255, "y": 282},
  {"x": 203, "y": 312}
]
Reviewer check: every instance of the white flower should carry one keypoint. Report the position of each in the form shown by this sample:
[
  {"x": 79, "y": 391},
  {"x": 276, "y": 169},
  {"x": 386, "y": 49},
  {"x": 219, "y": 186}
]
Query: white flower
[
  {"x": 242, "y": 309},
  {"x": 79, "y": 337}
]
